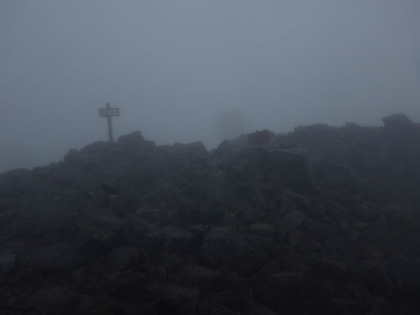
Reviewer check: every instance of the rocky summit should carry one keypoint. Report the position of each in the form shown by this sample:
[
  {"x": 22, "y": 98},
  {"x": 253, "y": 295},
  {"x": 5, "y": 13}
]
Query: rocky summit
[{"x": 321, "y": 220}]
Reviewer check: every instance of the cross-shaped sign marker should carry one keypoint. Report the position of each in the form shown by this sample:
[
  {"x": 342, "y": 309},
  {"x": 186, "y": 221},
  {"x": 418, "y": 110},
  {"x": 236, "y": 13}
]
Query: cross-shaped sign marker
[{"x": 109, "y": 112}]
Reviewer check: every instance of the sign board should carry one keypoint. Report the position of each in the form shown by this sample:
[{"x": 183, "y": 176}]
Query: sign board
[{"x": 109, "y": 112}]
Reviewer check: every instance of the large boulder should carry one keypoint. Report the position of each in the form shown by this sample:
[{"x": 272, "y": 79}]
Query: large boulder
[
  {"x": 260, "y": 138},
  {"x": 83, "y": 162},
  {"x": 227, "y": 250},
  {"x": 296, "y": 293},
  {"x": 205, "y": 279},
  {"x": 193, "y": 152},
  {"x": 180, "y": 240},
  {"x": 134, "y": 143},
  {"x": 55, "y": 300},
  {"x": 7, "y": 263},
  {"x": 398, "y": 122},
  {"x": 222, "y": 248},
  {"x": 59, "y": 256}
]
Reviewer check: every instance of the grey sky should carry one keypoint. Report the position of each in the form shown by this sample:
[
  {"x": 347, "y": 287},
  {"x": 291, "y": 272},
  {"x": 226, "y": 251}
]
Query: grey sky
[{"x": 198, "y": 70}]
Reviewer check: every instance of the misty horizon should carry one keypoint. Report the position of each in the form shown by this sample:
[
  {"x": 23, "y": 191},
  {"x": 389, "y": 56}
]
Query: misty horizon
[{"x": 206, "y": 71}]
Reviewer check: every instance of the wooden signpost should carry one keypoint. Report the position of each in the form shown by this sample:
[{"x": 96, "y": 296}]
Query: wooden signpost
[{"x": 109, "y": 112}]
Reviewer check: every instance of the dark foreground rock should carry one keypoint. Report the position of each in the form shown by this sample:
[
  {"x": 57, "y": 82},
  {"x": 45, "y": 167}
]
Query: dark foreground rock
[{"x": 323, "y": 220}]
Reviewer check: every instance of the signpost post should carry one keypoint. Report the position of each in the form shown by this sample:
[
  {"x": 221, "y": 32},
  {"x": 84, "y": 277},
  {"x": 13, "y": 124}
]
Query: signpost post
[{"x": 109, "y": 112}]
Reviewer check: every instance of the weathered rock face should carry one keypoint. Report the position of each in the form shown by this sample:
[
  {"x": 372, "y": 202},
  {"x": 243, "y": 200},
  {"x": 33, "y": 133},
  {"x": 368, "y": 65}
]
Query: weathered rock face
[
  {"x": 398, "y": 122},
  {"x": 377, "y": 163},
  {"x": 323, "y": 220}
]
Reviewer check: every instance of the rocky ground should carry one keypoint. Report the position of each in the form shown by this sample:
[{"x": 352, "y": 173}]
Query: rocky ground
[{"x": 323, "y": 220}]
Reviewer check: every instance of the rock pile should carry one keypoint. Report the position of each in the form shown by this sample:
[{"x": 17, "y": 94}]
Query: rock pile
[{"x": 323, "y": 220}]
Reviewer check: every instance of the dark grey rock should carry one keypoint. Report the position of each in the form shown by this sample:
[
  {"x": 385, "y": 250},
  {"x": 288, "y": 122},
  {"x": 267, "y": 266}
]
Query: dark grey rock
[
  {"x": 175, "y": 297},
  {"x": 135, "y": 228},
  {"x": 225, "y": 249},
  {"x": 296, "y": 293},
  {"x": 291, "y": 222},
  {"x": 179, "y": 240},
  {"x": 134, "y": 143},
  {"x": 397, "y": 121},
  {"x": 7, "y": 262},
  {"x": 194, "y": 151},
  {"x": 83, "y": 162},
  {"x": 201, "y": 277},
  {"x": 164, "y": 217},
  {"x": 143, "y": 234},
  {"x": 222, "y": 248},
  {"x": 124, "y": 257},
  {"x": 406, "y": 273},
  {"x": 366, "y": 213},
  {"x": 56, "y": 256},
  {"x": 54, "y": 299}
]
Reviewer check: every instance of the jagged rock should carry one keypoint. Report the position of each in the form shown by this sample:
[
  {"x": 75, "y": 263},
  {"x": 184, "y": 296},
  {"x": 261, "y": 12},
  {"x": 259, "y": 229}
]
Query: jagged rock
[
  {"x": 398, "y": 122},
  {"x": 327, "y": 226},
  {"x": 131, "y": 139},
  {"x": 255, "y": 308},
  {"x": 176, "y": 298},
  {"x": 230, "y": 220},
  {"x": 260, "y": 138},
  {"x": 110, "y": 190},
  {"x": 128, "y": 277},
  {"x": 335, "y": 270},
  {"x": 263, "y": 229},
  {"x": 222, "y": 248},
  {"x": 180, "y": 240},
  {"x": 376, "y": 278},
  {"x": 122, "y": 205},
  {"x": 14, "y": 182},
  {"x": 291, "y": 222},
  {"x": 225, "y": 249},
  {"x": 315, "y": 210},
  {"x": 295, "y": 171},
  {"x": 194, "y": 151},
  {"x": 100, "y": 226},
  {"x": 124, "y": 257},
  {"x": 227, "y": 147},
  {"x": 60, "y": 256},
  {"x": 231, "y": 301},
  {"x": 167, "y": 216},
  {"x": 55, "y": 299},
  {"x": 201, "y": 277},
  {"x": 296, "y": 293},
  {"x": 272, "y": 170},
  {"x": 134, "y": 143},
  {"x": 82, "y": 162},
  {"x": 143, "y": 235},
  {"x": 406, "y": 274},
  {"x": 366, "y": 213},
  {"x": 7, "y": 262},
  {"x": 132, "y": 292}
]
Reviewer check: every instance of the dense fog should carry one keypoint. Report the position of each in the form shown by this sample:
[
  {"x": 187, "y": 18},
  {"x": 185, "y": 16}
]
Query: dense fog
[{"x": 182, "y": 71}]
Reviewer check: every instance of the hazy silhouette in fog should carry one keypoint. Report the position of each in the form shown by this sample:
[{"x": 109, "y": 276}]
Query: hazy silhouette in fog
[{"x": 177, "y": 68}]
